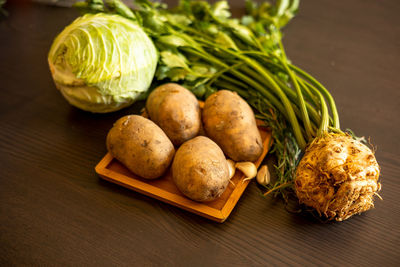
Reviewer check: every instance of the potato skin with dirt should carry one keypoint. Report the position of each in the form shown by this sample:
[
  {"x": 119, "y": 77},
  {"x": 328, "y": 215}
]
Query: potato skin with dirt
[
  {"x": 141, "y": 146},
  {"x": 230, "y": 122},
  {"x": 176, "y": 110},
  {"x": 200, "y": 170}
]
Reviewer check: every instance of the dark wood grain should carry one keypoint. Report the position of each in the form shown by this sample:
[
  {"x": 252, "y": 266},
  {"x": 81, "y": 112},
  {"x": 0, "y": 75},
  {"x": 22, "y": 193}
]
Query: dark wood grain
[{"x": 54, "y": 210}]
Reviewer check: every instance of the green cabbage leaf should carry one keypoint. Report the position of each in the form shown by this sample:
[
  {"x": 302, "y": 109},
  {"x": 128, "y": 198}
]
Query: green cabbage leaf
[{"x": 102, "y": 62}]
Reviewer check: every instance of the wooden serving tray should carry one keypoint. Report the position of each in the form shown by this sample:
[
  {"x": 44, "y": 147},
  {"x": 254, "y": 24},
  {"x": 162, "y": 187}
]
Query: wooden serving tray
[{"x": 165, "y": 190}]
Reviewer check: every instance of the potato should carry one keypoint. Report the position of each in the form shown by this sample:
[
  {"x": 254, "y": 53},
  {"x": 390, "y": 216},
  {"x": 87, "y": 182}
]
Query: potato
[
  {"x": 230, "y": 122},
  {"x": 200, "y": 170},
  {"x": 141, "y": 146},
  {"x": 176, "y": 110}
]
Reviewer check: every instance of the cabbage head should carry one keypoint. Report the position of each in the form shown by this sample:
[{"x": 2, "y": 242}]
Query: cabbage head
[{"x": 102, "y": 63}]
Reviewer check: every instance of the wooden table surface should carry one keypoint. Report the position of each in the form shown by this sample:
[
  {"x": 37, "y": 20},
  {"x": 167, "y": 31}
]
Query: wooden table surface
[{"x": 54, "y": 209}]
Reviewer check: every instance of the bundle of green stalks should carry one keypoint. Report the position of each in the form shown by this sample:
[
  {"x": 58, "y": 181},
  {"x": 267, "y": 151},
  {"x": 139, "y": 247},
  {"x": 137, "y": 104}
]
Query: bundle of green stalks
[{"x": 204, "y": 49}]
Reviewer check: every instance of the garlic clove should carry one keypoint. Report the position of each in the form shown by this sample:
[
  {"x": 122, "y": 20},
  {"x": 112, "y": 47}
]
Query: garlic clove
[
  {"x": 248, "y": 169},
  {"x": 263, "y": 175},
  {"x": 231, "y": 167}
]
